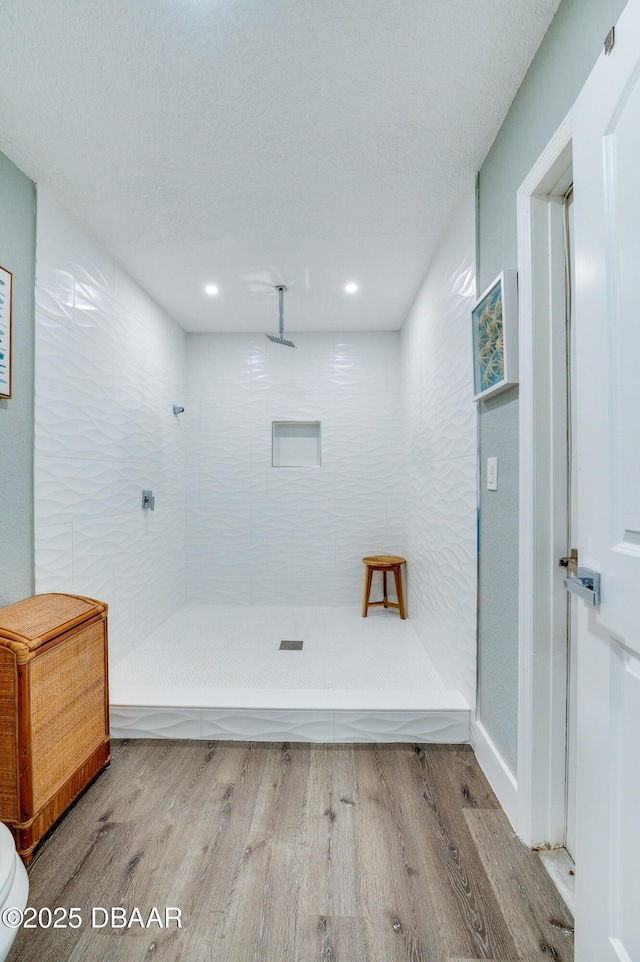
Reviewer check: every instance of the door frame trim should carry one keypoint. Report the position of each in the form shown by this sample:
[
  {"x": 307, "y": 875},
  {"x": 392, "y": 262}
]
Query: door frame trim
[{"x": 542, "y": 672}]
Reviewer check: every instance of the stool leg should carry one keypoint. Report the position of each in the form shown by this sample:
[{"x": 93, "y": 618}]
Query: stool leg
[
  {"x": 397, "y": 574},
  {"x": 367, "y": 590},
  {"x": 384, "y": 588}
]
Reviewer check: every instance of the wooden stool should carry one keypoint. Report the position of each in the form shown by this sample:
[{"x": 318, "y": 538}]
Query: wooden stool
[{"x": 383, "y": 563}]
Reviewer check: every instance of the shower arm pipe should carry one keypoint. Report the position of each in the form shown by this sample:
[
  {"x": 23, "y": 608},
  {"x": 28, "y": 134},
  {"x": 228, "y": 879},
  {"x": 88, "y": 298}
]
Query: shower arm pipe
[{"x": 281, "y": 293}]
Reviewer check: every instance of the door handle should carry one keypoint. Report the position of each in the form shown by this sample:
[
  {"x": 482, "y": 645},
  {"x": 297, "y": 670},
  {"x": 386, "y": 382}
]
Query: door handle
[{"x": 586, "y": 585}]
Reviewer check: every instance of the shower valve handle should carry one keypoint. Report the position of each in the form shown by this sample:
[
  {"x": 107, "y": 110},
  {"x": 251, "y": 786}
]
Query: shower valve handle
[{"x": 148, "y": 501}]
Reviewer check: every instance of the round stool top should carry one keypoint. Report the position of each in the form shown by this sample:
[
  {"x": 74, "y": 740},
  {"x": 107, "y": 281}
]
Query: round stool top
[{"x": 383, "y": 560}]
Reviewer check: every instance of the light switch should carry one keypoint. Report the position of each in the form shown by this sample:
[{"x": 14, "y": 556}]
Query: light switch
[{"x": 492, "y": 474}]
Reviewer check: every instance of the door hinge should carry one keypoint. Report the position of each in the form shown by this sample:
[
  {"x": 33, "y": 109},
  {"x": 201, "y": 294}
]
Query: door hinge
[
  {"x": 609, "y": 41},
  {"x": 570, "y": 561}
]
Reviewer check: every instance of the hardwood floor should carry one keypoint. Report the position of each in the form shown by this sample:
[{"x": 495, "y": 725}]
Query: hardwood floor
[{"x": 294, "y": 853}]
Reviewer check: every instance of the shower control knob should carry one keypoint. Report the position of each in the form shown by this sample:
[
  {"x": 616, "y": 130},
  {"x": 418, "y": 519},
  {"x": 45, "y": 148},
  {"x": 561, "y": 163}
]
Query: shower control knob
[{"x": 148, "y": 501}]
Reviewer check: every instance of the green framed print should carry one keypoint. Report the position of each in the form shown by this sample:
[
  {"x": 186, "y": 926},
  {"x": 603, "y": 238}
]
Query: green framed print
[
  {"x": 6, "y": 279},
  {"x": 495, "y": 337}
]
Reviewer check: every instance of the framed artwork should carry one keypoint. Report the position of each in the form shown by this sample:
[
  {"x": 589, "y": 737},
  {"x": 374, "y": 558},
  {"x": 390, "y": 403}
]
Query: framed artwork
[
  {"x": 6, "y": 279},
  {"x": 494, "y": 322}
]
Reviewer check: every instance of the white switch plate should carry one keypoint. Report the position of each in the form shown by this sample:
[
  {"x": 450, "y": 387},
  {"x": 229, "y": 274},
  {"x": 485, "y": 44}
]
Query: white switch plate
[{"x": 492, "y": 474}]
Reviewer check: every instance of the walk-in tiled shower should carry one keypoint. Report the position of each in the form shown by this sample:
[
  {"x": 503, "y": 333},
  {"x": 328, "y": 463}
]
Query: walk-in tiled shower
[{"x": 284, "y": 469}]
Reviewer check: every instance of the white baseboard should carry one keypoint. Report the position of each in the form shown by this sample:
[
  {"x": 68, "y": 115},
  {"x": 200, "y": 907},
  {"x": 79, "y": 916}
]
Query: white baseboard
[{"x": 495, "y": 768}]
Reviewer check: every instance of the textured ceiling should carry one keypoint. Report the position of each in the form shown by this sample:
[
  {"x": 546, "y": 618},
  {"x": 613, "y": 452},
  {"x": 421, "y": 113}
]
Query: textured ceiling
[{"x": 248, "y": 143}]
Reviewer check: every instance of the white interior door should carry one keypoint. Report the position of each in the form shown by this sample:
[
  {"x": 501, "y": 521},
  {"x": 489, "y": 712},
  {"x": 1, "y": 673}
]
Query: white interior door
[
  {"x": 572, "y": 529},
  {"x": 606, "y": 149}
]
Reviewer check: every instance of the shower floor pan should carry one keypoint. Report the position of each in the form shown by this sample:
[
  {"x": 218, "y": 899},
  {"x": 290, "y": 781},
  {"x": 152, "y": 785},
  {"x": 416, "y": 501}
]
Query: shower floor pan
[{"x": 218, "y": 672}]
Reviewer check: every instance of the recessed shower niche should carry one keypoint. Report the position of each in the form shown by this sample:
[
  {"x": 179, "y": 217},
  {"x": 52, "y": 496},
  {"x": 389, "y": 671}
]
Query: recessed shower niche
[{"x": 295, "y": 444}]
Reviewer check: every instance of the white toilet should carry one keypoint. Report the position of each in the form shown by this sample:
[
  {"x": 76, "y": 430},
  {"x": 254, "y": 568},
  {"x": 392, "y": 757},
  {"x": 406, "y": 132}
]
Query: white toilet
[{"x": 14, "y": 887}]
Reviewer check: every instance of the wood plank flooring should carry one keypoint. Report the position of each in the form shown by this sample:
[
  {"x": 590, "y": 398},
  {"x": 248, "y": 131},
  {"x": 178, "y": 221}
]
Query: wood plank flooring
[{"x": 295, "y": 853}]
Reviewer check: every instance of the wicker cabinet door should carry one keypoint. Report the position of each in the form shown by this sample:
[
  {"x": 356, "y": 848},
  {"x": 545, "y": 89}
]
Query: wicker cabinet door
[
  {"x": 9, "y": 791},
  {"x": 67, "y": 709}
]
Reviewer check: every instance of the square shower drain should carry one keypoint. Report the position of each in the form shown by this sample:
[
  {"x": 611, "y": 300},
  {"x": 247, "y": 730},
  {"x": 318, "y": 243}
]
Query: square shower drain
[{"x": 290, "y": 646}]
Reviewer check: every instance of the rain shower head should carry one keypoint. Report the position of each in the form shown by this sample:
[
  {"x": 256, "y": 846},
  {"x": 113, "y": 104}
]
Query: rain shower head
[{"x": 281, "y": 339}]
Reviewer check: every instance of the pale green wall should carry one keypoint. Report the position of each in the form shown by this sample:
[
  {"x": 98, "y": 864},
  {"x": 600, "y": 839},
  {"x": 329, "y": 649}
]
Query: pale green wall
[
  {"x": 557, "y": 73},
  {"x": 17, "y": 254}
]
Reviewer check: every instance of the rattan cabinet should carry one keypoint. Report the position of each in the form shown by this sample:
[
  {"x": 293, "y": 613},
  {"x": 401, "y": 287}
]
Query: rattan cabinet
[{"x": 54, "y": 709}]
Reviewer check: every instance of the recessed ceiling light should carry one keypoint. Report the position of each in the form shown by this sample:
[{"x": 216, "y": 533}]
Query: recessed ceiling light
[
  {"x": 351, "y": 288},
  {"x": 211, "y": 289}
]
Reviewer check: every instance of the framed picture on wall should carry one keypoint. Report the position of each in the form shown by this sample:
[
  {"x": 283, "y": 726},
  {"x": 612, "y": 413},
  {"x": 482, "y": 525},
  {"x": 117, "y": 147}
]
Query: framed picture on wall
[
  {"x": 6, "y": 279},
  {"x": 494, "y": 322}
]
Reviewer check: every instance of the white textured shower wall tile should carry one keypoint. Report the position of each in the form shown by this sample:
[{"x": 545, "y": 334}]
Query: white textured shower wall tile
[
  {"x": 440, "y": 450},
  {"x": 109, "y": 366},
  {"x": 448, "y": 727},
  {"x": 54, "y": 554},
  {"x": 296, "y": 535}
]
